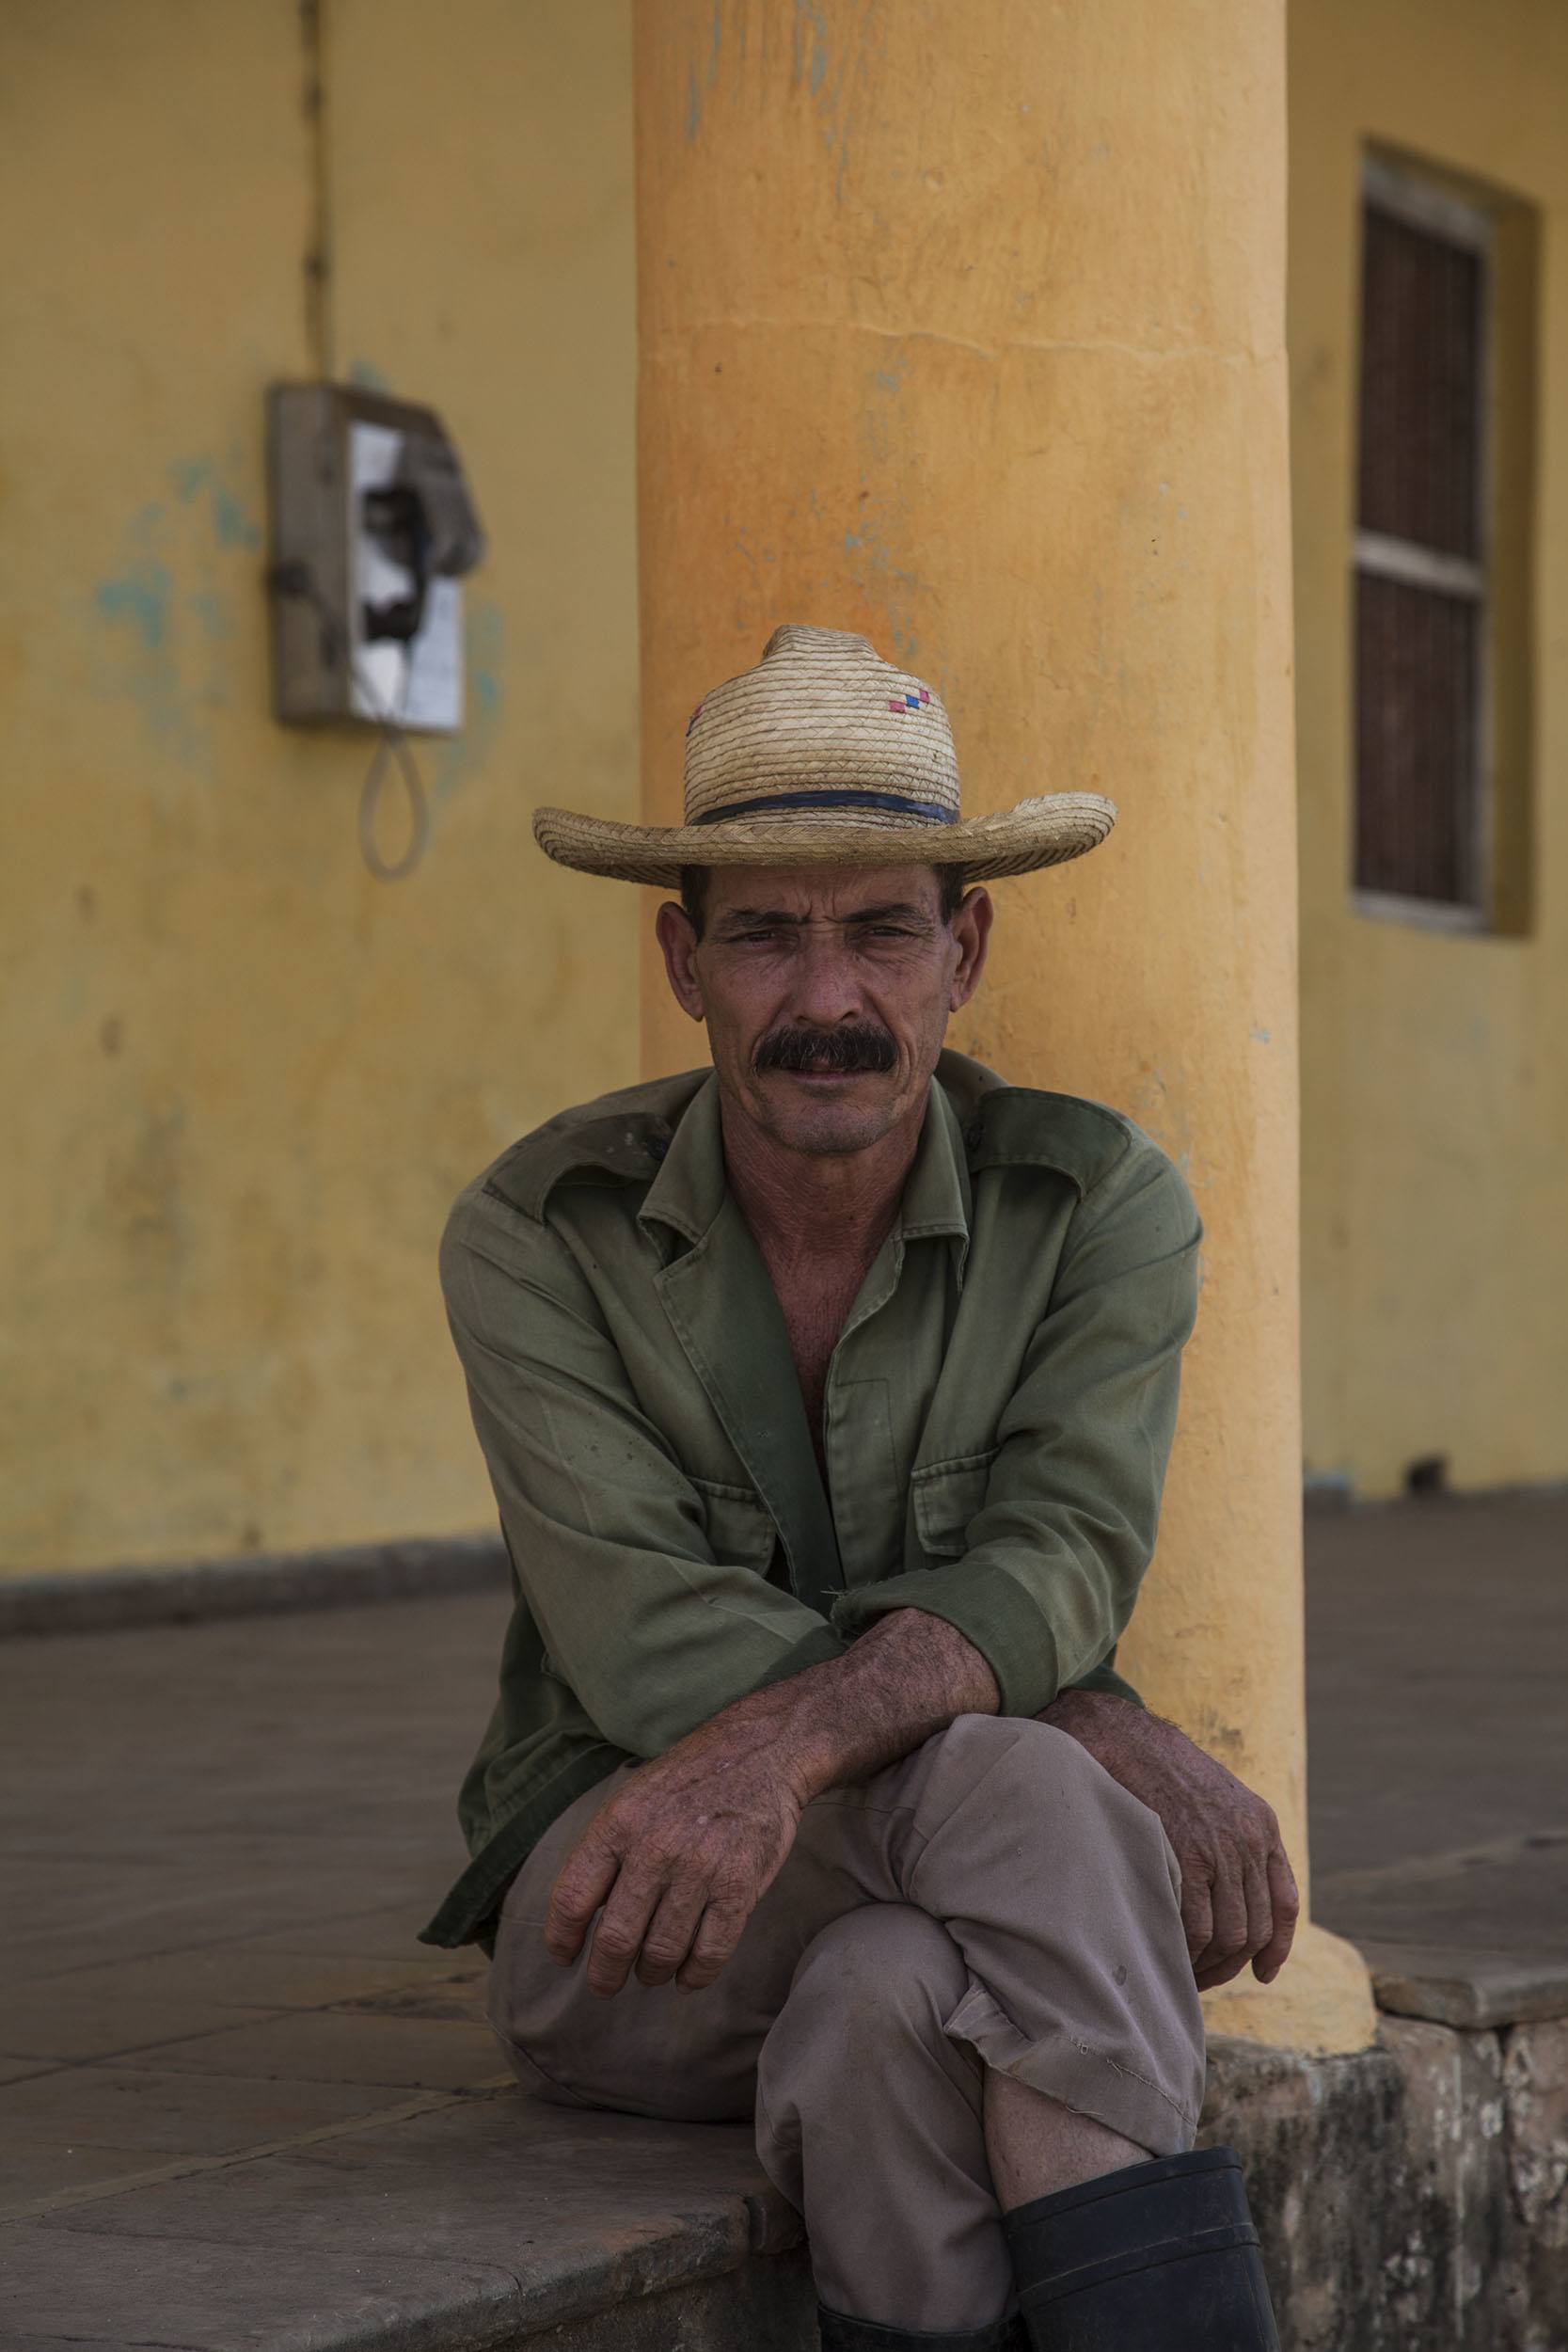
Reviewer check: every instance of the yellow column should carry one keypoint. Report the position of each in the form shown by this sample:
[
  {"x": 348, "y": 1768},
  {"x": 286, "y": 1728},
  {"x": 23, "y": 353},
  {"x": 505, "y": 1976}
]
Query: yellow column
[{"x": 962, "y": 325}]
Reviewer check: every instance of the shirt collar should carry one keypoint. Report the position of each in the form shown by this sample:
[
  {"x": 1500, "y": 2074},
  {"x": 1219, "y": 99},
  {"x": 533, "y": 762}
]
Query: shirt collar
[
  {"x": 937, "y": 1197},
  {"x": 688, "y": 1190}
]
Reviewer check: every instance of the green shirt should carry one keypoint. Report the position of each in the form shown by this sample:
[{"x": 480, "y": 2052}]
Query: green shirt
[{"x": 997, "y": 1418}]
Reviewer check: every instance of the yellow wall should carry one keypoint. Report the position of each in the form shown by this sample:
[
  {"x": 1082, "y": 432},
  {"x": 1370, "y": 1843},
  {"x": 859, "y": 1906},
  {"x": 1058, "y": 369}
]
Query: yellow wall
[
  {"x": 242, "y": 1079},
  {"x": 1434, "y": 1075}
]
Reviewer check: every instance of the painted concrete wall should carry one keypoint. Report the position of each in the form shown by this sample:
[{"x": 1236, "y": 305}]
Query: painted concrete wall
[
  {"x": 1435, "y": 1076},
  {"x": 243, "y": 1080},
  {"x": 1034, "y": 281}
]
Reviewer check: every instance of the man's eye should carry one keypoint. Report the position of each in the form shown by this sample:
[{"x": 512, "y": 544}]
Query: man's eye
[{"x": 888, "y": 931}]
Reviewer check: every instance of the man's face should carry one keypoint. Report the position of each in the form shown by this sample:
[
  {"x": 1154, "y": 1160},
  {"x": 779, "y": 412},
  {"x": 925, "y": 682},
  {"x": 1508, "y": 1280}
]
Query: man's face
[{"x": 825, "y": 993}]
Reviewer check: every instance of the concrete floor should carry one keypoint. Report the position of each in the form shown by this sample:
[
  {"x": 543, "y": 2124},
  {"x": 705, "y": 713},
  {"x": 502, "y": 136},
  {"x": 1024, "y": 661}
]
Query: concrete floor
[
  {"x": 1438, "y": 1676},
  {"x": 210, "y": 1836},
  {"x": 1437, "y": 1668},
  {"x": 218, "y": 1839}
]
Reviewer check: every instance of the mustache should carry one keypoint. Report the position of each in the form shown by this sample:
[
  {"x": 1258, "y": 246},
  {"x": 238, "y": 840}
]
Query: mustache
[{"x": 833, "y": 1053}]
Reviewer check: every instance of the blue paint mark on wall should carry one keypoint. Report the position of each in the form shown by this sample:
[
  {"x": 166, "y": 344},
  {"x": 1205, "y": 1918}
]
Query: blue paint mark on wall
[
  {"x": 139, "y": 596},
  {"x": 832, "y": 95},
  {"x": 811, "y": 65},
  {"x": 367, "y": 377},
  {"x": 463, "y": 755},
  {"x": 212, "y": 613},
  {"x": 231, "y": 526},
  {"x": 232, "y": 523},
  {"x": 697, "y": 89},
  {"x": 164, "y": 617}
]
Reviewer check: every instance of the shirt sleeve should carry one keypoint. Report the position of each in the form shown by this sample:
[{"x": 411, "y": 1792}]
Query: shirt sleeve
[
  {"x": 1054, "y": 1553},
  {"x": 651, "y": 1632}
]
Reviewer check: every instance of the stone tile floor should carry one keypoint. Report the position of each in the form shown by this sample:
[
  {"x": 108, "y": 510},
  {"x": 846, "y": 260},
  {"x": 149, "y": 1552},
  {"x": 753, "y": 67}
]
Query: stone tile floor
[
  {"x": 1437, "y": 1768},
  {"x": 217, "y": 1843},
  {"x": 218, "y": 1839}
]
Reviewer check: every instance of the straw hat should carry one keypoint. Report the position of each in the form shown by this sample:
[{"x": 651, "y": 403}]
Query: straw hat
[{"x": 825, "y": 755}]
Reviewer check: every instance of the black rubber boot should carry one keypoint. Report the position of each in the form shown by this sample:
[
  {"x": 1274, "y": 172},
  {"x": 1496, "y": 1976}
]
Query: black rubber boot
[
  {"x": 1162, "y": 2257},
  {"x": 843, "y": 2334}
]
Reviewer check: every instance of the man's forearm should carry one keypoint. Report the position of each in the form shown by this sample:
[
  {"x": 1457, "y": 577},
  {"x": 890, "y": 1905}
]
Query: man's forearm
[
  {"x": 679, "y": 1856},
  {"x": 901, "y": 1682}
]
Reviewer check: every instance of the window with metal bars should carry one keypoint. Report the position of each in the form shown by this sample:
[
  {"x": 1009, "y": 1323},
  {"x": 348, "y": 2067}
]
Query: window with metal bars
[{"x": 1421, "y": 583}]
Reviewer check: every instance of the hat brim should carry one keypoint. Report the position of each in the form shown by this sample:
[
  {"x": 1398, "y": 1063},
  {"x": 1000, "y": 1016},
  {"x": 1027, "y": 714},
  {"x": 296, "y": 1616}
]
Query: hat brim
[{"x": 1019, "y": 840}]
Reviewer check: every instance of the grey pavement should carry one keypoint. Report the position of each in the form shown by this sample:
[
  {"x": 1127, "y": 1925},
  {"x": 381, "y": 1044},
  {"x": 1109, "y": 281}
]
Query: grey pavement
[
  {"x": 240, "y": 2106},
  {"x": 1438, "y": 1768}
]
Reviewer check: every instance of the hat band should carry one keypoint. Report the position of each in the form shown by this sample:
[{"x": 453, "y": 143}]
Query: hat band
[{"x": 929, "y": 812}]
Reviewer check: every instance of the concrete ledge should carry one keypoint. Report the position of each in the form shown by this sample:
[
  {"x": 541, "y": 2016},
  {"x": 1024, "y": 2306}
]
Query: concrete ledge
[
  {"x": 482, "y": 2222},
  {"x": 1417, "y": 2194},
  {"x": 1474, "y": 1938},
  {"x": 102, "y": 1599},
  {"x": 1470, "y": 1989}
]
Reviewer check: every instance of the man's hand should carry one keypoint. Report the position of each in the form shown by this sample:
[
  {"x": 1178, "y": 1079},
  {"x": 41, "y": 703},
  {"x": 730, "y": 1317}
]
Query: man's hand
[
  {"x": 1239, "y": 1898},
  {"x": 679, "y": 1858},
  {"x": 682, "y": 1854}
]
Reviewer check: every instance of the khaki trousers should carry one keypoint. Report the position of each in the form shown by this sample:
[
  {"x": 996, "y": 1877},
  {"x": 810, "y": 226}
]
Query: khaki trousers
[{"x": 994, "y": 1901}]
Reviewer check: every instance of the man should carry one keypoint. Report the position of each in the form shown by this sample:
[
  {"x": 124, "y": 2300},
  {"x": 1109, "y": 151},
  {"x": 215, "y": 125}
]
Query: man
[{"x": 827, "y": 1397}]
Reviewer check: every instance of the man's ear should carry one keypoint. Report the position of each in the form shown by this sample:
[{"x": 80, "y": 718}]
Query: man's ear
[
  {"x": 972, "y": 929},
  {"x": 678, "y": 942}
]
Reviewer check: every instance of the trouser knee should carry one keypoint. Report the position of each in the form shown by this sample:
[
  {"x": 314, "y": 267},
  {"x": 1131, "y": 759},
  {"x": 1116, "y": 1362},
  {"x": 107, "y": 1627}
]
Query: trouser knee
[
  {"x": 1046, "y": 1790},
  {"x": 865, "y": 1987}
]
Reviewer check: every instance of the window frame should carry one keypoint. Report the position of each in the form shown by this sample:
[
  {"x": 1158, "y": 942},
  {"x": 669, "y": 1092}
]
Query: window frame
[{"x": 1416, "y": 196}]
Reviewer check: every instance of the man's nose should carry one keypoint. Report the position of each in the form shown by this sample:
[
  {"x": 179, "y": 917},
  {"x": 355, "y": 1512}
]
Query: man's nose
[{"x": 825, "y": 985}]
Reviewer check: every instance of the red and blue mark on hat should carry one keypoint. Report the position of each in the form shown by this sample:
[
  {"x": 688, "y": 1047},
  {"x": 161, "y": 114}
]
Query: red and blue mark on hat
[{"x": 899, "y": 703}]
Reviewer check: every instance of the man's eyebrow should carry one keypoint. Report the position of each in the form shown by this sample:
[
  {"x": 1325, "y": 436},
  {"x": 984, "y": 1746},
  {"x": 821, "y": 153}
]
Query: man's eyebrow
[
  {"x": 740, "y": 918},
  {"x": 901, "y": 907}
]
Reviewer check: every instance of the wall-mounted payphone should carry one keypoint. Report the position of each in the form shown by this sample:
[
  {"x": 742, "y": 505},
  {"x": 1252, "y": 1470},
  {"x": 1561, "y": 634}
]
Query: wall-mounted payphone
[{"x": 373, "y": 528}]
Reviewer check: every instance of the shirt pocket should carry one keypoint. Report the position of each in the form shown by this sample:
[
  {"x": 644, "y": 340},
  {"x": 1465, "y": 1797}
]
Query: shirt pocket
[
  {"x": 946, "y": 1497},
  {"x": 739, "y": 1531}
]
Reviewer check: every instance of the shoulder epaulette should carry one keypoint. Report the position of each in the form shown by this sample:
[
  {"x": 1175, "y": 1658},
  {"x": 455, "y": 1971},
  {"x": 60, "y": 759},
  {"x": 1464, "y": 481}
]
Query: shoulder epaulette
[
  {"x": 1023, "y": 1127},
  {"x": 619, "y": 1139}
]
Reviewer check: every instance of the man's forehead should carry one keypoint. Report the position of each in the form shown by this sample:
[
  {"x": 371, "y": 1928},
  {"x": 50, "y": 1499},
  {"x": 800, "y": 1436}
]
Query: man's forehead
[{"x": 826, "y": 890}]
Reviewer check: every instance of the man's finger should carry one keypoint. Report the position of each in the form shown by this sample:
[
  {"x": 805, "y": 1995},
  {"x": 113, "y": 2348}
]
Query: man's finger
[
  {"x": 623, "y": 1924},
  {"x": 1221, "y": 1973},
  {"x": 1260, "y": 1908},
  {"x": 1197, "y": 1915},
  {"x": 1284, "y": 1901},
  {"x": 713, "y": 1945},
  {"x": 1228, "y": 1940},
  {"x": 671, "y": 1932},
  {"x": 584, "y": 1881}
]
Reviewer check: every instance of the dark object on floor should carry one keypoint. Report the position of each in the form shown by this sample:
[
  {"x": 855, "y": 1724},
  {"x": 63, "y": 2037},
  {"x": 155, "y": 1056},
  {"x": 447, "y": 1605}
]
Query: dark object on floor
[{"x": 1428, "y": 1475}]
